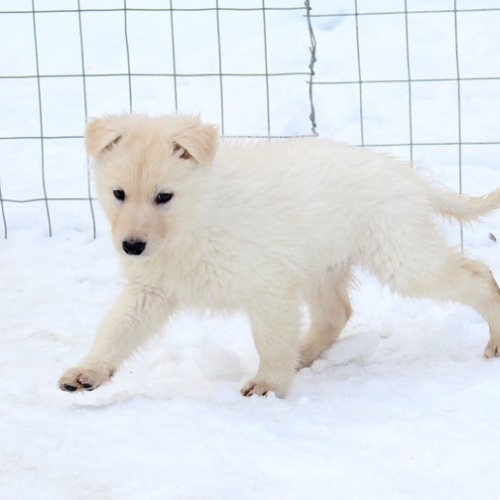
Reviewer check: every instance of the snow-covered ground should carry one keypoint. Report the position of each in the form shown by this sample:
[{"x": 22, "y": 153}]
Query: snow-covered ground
[{"x": 402, "y": 407}]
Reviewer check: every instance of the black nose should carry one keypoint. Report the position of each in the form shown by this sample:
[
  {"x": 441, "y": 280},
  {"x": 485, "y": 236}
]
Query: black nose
[{"x": 133, "y": 247}]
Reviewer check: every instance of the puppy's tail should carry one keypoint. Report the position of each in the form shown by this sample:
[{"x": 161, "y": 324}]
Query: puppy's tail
[{"x": 461, "y": 207}]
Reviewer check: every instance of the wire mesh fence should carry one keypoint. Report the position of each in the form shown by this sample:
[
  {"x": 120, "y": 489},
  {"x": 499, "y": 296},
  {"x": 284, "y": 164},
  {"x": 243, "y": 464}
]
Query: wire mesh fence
[{"x": 415, "y": 78}]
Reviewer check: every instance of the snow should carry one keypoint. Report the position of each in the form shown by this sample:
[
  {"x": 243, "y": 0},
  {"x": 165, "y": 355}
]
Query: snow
[{"x": 403, "y": 406}]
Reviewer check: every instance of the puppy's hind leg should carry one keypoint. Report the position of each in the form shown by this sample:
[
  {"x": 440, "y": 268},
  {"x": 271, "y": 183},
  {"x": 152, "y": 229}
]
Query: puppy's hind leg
[
  {"x": 330, "y": 310},
  {"x": 435, "y": 271},
  {"x": 472, "y": 283}
]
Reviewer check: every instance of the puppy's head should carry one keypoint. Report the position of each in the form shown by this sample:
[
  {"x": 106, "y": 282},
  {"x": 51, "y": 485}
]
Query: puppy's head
[{"x": 150, "y": 176}]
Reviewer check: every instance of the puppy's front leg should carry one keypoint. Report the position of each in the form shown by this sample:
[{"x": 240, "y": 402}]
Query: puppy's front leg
[
  {"x": 275, "y": 327},
  {"x": 139, "y": 312}
]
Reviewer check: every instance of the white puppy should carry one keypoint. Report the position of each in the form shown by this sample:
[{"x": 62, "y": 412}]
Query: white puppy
[{"x": 259, "y": 227}]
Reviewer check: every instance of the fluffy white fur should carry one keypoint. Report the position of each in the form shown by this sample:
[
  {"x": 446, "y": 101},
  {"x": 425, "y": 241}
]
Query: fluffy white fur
[{"x": 260, "y": 227}]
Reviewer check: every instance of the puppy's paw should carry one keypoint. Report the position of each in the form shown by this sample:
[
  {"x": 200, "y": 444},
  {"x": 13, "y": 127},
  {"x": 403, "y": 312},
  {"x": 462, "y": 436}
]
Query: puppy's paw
[
  {"x": 255, "y": 388},
  {"x": 86, "y": 377},
  {"x": 492, "y": 349},
  {"x": 263, "y": 388}
]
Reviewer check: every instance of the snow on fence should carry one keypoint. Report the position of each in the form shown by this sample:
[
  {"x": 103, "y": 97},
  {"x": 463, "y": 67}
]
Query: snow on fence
[{"x": 418, "y": 79}]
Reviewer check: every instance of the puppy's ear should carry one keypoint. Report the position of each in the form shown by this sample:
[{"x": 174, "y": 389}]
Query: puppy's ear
[
  {"x": 197, "y": 140},
  {"x": 102, "y": 134}
]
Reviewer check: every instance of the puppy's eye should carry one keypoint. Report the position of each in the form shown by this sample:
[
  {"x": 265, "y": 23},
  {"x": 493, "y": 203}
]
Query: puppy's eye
[
  {"x": 119, "y": 194},
  {"x": 163, "y": 198}
]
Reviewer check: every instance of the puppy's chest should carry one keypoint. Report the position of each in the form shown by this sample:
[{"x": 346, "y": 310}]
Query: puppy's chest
[{"x": 214, "y": 281}]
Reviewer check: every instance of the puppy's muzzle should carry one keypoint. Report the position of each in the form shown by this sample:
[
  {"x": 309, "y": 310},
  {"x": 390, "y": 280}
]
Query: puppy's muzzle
[{"x": 133, "y": 247}]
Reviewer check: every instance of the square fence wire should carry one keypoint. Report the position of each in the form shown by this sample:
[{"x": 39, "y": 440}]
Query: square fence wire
[{"x": 414, "y": 78}]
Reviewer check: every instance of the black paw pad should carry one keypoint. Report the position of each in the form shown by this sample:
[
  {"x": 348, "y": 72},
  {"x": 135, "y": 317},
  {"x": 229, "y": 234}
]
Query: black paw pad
[
  {"x": 88, "y": 387},
  {"x": 68, "y": 387}
]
